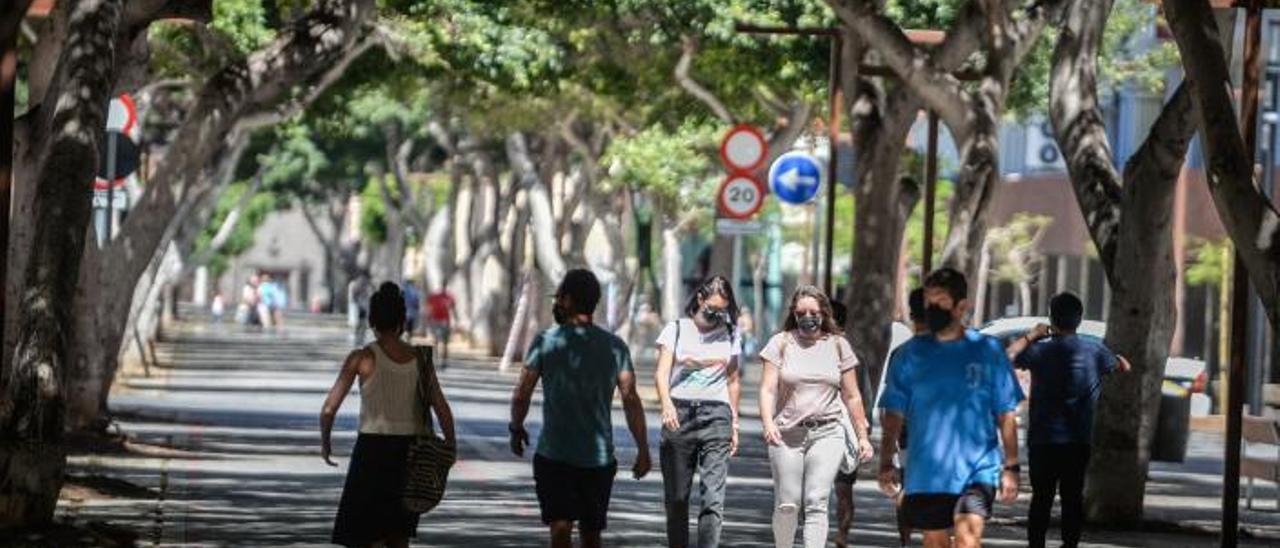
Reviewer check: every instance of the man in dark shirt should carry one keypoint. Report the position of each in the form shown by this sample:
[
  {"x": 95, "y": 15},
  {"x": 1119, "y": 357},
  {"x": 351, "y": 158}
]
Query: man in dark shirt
[{"x": 1066, "y": 378}]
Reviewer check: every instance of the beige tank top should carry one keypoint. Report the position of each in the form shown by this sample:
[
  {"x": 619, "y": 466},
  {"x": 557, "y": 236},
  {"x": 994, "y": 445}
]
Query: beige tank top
[{"x": 388, "y": 398}]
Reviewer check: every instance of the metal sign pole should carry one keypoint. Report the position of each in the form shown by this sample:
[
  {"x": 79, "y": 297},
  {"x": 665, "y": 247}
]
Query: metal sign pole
[
  {"x": 930, "y": 191},
  {"x": 111, "y": 183},
  {"x": 1240, "y": 289},
  {"x": 833, "y": 137}
]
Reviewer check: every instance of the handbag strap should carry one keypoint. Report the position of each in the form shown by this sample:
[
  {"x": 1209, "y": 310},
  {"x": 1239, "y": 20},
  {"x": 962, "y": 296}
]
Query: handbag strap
[{"x": 428, "y": 383}]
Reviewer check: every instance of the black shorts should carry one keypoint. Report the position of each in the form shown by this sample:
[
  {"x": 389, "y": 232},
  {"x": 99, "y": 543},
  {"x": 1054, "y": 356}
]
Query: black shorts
[
  {"x": 937, "y": 511},
  {"x": 573, "y": 493}
]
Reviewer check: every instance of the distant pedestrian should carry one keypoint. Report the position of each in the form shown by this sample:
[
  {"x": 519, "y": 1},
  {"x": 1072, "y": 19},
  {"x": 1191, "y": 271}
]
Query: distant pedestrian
[
  {"x": 391, "y": 414},
  {"x": 747, "y": 326},
  {"x": 247, "y": 311},
  {"x": 217, "y": 307},
  {"x": 412, "y": 309},
  {"x": 1066, "y": 379},
  {"x": 581, "y": 366},
  {"x": 440, "y": 316},
  {"x": 358, "y": 294},
  {"x": 699, "y": 384},
  {"x": 810, "y": 380},
  {"x": 957, "y": 392},
  {"x": 266, "y": 300}
]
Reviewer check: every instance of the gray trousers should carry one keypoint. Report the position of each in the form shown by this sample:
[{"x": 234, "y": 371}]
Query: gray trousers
[
  {"x": 804, "y": 467},
  {"x": 700, "y": 445}
]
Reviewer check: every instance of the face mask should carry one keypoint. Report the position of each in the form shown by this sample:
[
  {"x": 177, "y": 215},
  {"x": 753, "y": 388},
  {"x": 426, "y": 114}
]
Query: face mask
[
  {"x": 937, "y": 317},
  {"x": 558, "y": 313},
  {"x": 712, "y": 317},
  {"x": 809, "y": 324}
]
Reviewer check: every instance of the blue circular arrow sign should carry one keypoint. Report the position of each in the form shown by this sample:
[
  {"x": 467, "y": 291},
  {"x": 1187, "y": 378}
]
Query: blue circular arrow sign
[{"x": 795, "y": 177}]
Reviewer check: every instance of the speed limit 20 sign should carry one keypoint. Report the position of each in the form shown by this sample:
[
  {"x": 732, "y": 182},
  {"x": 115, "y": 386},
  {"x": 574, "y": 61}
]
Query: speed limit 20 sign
[
  {"x": 741, "y": 196},
  {"x": 742, "y": 151}
]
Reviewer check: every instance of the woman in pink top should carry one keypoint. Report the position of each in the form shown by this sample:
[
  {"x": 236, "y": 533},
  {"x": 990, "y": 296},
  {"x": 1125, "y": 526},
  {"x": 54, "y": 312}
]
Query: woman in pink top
[{"x": 809, "y": 381}]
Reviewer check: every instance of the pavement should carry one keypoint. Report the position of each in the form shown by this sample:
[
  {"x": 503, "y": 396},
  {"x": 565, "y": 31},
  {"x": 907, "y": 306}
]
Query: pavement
[{"x": 223, "y": 451}]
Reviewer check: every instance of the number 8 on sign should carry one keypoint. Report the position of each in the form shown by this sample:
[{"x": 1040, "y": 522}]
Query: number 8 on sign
[{"x": 741, "y": 196}]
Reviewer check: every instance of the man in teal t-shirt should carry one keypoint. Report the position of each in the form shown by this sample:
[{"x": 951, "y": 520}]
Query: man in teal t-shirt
[{"x": 580, "y": 366}]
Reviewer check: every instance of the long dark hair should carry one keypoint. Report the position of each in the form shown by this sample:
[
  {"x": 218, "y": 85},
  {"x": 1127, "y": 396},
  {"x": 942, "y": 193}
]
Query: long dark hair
[
  {"x": 715, "y": 285},
  {"x": 828, "y": 325}
]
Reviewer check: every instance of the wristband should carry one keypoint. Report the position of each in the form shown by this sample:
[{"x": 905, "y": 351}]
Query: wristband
[
  {"x": 512, "y": 428},
  {"x": 1013, "y": 467}
]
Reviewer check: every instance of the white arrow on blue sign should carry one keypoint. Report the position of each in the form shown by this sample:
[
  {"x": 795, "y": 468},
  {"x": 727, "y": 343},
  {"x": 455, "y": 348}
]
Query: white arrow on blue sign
[{"x": 795, "y": 177}]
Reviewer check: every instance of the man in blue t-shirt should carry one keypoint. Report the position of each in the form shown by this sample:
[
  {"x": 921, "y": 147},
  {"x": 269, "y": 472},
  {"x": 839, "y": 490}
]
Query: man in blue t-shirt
[
  {"x": 580, "y": 366},
  {"x": 1066, "y": 378},
  {"x": 958, "y": 393}
]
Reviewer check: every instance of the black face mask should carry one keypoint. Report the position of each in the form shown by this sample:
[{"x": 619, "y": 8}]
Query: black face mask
[
  {"x": 937, "y": 317},
  {"x": 712, "y": 317},
  {"x": 809, "y": 324},
  {"x": 559, "y": 314}
]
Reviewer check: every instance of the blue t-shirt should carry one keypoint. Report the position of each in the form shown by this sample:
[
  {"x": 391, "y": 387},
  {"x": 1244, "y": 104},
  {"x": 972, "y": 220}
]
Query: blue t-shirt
[
  {"x": 950, "y": 394},
  {"x": 1066, "y": 378},
  {"x": 412, "y": 303},
  {"x": 579, "y": 366}
]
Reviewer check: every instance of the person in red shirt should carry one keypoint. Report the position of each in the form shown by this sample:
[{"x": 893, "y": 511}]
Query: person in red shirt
[{"x": 440, "y": 315}]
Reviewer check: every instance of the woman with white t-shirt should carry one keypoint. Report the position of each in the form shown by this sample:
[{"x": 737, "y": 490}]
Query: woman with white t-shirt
[
  {"x": 698, "y": 382},
  {"x": 809, "y": 381}
]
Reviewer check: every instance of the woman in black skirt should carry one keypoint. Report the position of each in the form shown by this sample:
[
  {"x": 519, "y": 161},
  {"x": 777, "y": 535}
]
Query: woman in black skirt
[{"x": 390, "y": 416}]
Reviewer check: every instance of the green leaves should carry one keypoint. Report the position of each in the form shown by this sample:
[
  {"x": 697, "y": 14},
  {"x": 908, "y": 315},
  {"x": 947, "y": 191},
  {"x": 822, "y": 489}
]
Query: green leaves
[{"x": 674, "y": 168}]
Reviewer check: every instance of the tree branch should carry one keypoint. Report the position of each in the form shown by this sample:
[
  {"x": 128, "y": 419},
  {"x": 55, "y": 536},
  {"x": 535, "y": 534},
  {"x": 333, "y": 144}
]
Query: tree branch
[
  {"x": 1250, "y": 218},
  {"x": 938, "y": 88},
  {"x": 689, "y": 49}
]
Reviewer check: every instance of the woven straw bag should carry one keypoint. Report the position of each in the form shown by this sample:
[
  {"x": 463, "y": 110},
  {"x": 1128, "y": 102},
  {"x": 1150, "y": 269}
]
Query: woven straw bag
[{"x": 430, "y": 457}]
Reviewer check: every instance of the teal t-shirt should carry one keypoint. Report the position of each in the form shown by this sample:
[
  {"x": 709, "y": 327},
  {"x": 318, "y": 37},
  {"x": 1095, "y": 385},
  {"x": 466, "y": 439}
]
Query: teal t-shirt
[
  {"x": 951, "y": 394},
  {"x": 579, "y": 366}
]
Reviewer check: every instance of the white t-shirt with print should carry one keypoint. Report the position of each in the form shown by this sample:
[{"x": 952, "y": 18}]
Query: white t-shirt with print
[{"x": 707, "y": 383}]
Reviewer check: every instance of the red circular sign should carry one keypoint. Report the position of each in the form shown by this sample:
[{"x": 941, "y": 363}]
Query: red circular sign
[
  {"x": 740, "y": 197},
  {"x": 743, "y": 149}
]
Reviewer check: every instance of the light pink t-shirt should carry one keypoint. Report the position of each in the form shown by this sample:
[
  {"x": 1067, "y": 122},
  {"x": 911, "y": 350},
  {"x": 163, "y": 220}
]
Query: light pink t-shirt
[{"x": 809, "y": 377}]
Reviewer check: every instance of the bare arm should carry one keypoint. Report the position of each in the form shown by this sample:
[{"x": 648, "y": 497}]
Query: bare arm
[
  {"x": 768, "y": 401},
  {"x": 1009, "y": 437},
  {"x": 444, "y": 413},
  {"x": 521, "y": 399},
  {"x": 735, "y": 387},
  {"x": 853, "y": 403},
  {"x": 346, "y": 377},
  {"x": 735, "y": 399},
  {"x": 890, "y": 431},
  {"x": 1020, "y": 344},
  {"x": 662, "y": 378},
  {"x": 634, "y": 409}
]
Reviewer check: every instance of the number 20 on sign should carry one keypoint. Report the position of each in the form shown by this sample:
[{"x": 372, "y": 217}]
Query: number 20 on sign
[{"x": 741, "y": 196}]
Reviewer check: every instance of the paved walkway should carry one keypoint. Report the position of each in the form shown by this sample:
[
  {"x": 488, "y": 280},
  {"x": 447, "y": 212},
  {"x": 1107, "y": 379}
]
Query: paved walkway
[{"x": 224, "y": 452}]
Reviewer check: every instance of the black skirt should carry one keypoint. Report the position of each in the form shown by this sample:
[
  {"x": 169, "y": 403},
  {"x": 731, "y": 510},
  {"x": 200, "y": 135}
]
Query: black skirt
[{"x": 371, "y": 510}]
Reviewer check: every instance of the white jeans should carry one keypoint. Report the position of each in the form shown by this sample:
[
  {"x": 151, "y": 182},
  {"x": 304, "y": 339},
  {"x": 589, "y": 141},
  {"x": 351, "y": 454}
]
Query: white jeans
[{"x": 804, "y": 467}]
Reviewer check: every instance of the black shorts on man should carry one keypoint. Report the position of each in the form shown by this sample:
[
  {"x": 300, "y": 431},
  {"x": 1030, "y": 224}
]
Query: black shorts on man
[
  {"x": 573, "y": 493},
  {"x": 937, "y": 511}
]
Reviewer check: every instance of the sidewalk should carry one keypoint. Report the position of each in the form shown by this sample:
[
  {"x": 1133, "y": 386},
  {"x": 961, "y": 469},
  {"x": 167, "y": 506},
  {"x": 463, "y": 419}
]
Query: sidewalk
[{"x": 222, "y": 452}]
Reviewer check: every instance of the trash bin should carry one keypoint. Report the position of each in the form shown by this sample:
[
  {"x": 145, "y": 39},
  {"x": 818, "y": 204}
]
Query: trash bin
[{"x": 1173, "y": 427}]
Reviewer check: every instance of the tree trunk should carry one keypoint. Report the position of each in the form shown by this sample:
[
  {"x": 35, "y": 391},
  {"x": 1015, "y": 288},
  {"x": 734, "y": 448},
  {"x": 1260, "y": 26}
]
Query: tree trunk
[
  {"x": 541, "y": 222},
  {"x": 32, "y": 454},
  {"x": 1131, "y": 226},
  {"x": 672, "y": 281},
  {"x": 976, "y": 185},
  {"x": 884, "y": 202},
  {"x": 1250, "y": 218},
  {"x": 239, "y": 98}
]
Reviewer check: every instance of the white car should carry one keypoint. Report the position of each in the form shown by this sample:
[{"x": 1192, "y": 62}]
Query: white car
[{"x": 1182, "y": 376}]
